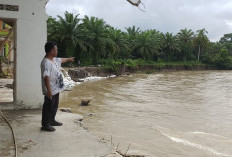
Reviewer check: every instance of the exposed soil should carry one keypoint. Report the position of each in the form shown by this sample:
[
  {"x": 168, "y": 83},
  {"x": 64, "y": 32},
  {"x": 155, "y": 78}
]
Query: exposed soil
[{"x": 125, "y": 70}]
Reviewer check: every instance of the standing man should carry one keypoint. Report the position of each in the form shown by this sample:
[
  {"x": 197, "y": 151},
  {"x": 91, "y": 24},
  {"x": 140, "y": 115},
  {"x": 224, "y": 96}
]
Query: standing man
[{"x": 52, "y": 85}]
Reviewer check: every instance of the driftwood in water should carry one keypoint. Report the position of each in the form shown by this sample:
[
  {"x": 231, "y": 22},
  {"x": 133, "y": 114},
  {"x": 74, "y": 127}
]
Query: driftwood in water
[{"x": 85, "y": 102}]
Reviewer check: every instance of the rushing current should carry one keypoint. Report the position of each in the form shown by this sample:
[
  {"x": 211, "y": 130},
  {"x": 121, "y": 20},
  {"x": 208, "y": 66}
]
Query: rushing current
[{"x": 176, "y": 114}]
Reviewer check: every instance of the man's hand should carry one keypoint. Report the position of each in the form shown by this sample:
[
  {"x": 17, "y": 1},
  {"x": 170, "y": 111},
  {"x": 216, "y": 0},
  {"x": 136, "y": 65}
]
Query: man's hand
[
  {"x": 64, "y": 60},
  {"x": 71, "y": 59},
  {"x": 49, "y": 94}
]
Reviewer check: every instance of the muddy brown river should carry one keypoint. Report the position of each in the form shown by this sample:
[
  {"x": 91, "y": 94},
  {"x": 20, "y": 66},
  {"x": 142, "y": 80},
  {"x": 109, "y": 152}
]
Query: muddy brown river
[{"x": 166, "y": 114}]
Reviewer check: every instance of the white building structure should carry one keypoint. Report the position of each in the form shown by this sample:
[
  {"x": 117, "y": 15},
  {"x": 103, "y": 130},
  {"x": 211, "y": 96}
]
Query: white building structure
[{"x": 30, "y": 36}]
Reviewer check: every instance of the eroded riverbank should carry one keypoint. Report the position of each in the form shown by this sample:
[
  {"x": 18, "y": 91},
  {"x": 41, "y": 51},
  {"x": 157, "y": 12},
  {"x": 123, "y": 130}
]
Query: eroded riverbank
[{"x": 83, "y": 72}]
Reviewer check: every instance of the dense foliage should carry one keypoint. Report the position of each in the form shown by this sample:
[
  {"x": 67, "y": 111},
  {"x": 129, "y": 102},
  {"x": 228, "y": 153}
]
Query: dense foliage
[{"x": 93, "y": 42}]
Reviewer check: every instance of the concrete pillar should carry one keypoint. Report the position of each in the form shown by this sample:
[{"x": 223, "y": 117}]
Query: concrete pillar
[{"x": 31, "y": 35}]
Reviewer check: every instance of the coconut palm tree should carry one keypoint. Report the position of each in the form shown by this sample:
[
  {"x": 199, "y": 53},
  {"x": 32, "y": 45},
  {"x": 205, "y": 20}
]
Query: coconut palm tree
[
  {"x": 169, "y": 46},
  {"x": 130, "y": 35},
  {"x": 53, "y": 30},
  {"x": 185, "y": 37},
  {"x": 146, "y": 45},
  {"x": 201, "y": 40},
  {"x": 120, "y": 43},
  {"x": 133, "y": 30},
  {"x": 99, "y": 33},
  {"x": 72, "y": 35}
]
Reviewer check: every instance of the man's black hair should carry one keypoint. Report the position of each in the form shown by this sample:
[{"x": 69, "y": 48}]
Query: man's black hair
[{"x": 49, "y": 45}]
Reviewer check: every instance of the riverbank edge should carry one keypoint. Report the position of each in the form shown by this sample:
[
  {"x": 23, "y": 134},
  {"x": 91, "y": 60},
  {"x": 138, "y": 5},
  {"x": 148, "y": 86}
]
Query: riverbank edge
[{"x": 103, "y": 71}]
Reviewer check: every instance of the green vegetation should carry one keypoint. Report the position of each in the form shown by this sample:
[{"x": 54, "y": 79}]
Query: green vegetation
[
  {"x": 94, "y": 42},
  {"x": 4, "y": 33}
]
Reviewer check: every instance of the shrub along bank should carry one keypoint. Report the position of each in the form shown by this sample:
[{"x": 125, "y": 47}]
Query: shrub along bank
[{"x": 130, "y": 66}]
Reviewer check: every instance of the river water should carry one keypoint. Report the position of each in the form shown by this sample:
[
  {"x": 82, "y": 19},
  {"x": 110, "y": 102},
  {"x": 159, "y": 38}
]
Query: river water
[{"x": 175, "y": 114}]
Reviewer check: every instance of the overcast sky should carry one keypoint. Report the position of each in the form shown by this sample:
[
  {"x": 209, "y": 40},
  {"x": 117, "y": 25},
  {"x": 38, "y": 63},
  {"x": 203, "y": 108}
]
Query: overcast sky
[{"x": 163, "y": 15}]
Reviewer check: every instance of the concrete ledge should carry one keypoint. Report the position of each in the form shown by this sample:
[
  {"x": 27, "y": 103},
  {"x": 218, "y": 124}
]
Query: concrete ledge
[{"x": 69, "y": 140}]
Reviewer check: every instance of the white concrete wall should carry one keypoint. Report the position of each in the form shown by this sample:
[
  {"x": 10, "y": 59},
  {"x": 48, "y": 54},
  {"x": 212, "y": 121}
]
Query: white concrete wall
[{"x": 31, "y": 35}]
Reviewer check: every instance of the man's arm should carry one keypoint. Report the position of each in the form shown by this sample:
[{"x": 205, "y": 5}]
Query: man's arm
[
  {"x": 64, "y": 60},
  {"x": 47, "y": 83}
]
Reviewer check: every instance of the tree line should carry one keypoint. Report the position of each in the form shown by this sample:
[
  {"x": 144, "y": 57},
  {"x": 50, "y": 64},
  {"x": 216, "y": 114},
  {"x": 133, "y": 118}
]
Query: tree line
[{"x": 92, "y": 41}]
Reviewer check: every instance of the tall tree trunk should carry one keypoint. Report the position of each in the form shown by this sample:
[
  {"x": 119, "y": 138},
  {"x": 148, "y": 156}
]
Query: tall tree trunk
[
  {"x": 95, "y": 57},
  {"x": 199, "y": 52},
  {"x": 184, "y": 58}
]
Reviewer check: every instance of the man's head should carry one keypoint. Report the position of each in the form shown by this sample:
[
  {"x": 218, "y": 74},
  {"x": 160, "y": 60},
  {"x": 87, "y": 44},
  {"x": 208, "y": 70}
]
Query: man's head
[{"x": 51, "y": 48}]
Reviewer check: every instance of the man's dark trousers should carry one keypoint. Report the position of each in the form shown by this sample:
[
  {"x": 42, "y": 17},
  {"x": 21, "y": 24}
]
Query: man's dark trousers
[{"x": 50, "y": 107}]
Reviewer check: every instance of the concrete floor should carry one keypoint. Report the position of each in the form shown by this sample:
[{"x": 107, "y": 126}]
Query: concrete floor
[{"x": 69, "y": 140}]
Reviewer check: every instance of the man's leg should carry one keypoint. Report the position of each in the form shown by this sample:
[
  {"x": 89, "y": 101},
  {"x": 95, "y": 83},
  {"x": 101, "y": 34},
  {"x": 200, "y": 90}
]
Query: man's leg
[
  {"x": 46, "y": 115},
  {"x": 47, "y": 107},
  {"x": 55, "y": 99}
]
